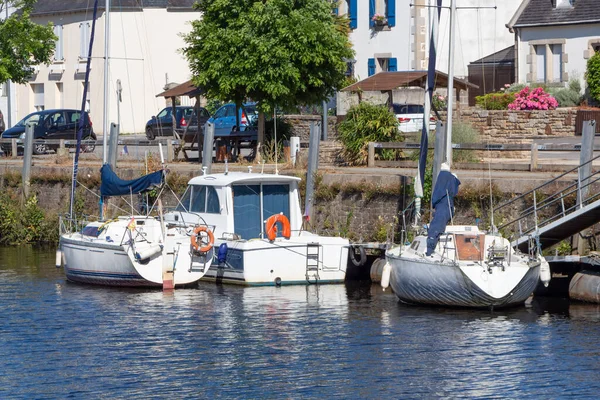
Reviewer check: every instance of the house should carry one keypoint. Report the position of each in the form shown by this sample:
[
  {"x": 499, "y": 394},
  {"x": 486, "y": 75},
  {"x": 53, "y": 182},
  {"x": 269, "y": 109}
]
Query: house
[
  {"x": 144, "y": 40},
  {"x": 393, "y": 35},
  {"x": 554, "y": 39},
  {"x": 7, "y": 89}
]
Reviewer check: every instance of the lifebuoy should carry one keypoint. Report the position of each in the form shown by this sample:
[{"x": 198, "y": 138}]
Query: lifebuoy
[
  {"x": 271, "y": 226},
  {"x": 197, "y": 244}
]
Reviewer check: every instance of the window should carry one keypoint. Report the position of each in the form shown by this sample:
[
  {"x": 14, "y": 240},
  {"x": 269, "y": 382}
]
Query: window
[
  {"x": 547, "y": 62},
  {"x": 540, "y": 59},
  {"x": 84, "y": 39},
  {"x": 556, "y": 62},
  {"x": 385, "y": 8},
  {"x": 58, "y": 51},
  {"x": 60, "y": 98},
  {"x": 38, "y": 96},
  {"x": 200, "y": 199},
  {"x": 382, "y": 64},
  {"x": 252, "y": 204}
]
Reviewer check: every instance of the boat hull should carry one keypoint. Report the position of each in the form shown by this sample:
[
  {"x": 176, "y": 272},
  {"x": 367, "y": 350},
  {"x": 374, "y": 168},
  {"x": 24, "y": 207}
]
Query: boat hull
[
  {"x": 300, "y": 260},
  {"x": 448, "y": 284},
  {"x": 110, "y": 259}
]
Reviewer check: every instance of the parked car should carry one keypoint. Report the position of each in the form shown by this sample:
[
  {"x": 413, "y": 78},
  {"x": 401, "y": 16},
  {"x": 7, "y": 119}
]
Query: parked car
[
  {"x": 2, "y": 125},
  {"x": 185, "y": 117},
  {"x": 410, "y": 117},
  {"x": 50, "y": 124},
  {"x": 224, "y": 118}
]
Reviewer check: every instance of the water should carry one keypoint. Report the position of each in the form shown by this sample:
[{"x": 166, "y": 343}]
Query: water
[{"x": 63, "y": 340}]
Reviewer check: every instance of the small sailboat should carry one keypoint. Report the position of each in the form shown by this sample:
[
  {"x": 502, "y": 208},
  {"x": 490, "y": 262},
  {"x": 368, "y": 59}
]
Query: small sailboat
[
  {"x": 458, "y": 266},
  {"x": 130, "y": 250}
]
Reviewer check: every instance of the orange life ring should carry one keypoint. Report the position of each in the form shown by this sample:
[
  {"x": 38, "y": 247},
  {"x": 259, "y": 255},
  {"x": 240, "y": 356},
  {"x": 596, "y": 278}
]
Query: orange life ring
[
  {"x": 271, "y": 226},
  {"x": 196, "y": 244}
]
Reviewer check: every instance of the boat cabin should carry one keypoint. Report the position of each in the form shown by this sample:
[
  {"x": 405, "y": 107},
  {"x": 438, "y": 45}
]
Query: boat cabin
[{"x": 237, "y": 204}]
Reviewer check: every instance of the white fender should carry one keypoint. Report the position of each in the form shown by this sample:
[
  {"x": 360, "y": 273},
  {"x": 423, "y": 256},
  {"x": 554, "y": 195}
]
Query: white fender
[
  {"x": 545, "y": 274},
  {"x": 58, "y": 258},
  {"x": 385, "y": 275},
  {"x": 148, "y": 252}
]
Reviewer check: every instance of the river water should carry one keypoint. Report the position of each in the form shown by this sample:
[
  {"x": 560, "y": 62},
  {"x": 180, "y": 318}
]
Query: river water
[{"x": 64, "y": 340}]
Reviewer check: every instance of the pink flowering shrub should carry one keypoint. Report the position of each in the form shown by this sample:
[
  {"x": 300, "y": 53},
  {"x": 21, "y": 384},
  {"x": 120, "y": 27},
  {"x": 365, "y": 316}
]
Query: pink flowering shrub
[{"x": 535, "y": 99}]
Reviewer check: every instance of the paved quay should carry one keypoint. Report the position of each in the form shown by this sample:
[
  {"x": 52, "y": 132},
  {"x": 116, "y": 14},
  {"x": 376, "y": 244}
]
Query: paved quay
[{"x": 517, "y": 180}]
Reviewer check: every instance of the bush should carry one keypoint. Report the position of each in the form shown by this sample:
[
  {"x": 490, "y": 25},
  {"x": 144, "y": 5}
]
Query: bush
[
  {"x": 366, "y": 123},
  {"x": 536, "y": 99},
  {"x": 592, "y": 76},
  {"x": 440, "y": 102},
  {"x": 568, "y": 97},
  {"x": 495, "y": 101}
]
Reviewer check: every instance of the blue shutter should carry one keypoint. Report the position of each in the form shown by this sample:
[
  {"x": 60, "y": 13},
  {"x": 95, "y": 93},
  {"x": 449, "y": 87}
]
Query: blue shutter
[
  {"x": 352, "y": 8},
  {"x": 371, "y": 66},
  {"x": 391, "y": 12},
  {"x": 371, "y": 12},
  {"x": 392, "y": 64}
]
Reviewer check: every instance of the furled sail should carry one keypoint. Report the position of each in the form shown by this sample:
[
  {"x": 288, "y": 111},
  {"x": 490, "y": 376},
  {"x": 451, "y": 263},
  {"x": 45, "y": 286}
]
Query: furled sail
[
  {"x": 442, "y": 200},
  {"x": 112, "y": 185}
]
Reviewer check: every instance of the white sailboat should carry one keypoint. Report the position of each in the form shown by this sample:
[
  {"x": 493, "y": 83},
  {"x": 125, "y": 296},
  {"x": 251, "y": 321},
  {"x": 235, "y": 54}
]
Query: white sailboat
[
  {"x": 132, "y": 250},
  {"x": 458, "y": 266}
]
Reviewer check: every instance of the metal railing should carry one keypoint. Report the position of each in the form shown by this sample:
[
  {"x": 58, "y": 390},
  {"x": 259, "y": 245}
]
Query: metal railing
[{"x": 536, "y": 208}]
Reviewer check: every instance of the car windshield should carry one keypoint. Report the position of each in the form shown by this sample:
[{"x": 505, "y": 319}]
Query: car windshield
[
  {"x": 408, "y": 109},
  {"x": 31, "y": 118}
]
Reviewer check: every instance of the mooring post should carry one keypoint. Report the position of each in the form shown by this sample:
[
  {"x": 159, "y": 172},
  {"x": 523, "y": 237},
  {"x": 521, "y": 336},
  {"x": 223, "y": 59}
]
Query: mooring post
[
  {"x": 27, "y": 158},
  {"x": 371, "y": 156},
  {"x": 207, "y": 148},
  {"x": 113, "y": 145},
  {"x": 583, "y": 180},
  {"x": 324, "y": 122},
  {"x": 313, "y": 163},
  {"x": 534, "y": 157}
]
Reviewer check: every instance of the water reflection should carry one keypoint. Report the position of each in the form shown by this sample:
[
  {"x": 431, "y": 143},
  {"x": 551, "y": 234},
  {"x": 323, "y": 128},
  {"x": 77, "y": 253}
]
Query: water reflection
[{"x": 62, "y": 340}]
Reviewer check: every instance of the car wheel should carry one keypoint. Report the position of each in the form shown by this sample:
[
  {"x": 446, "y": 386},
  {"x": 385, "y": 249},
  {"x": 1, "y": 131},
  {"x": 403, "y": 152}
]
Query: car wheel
[
  {"x": 88, "y": 148},
  {"x": 39, "y": 148},
  {"x": 150, "y": 134}
]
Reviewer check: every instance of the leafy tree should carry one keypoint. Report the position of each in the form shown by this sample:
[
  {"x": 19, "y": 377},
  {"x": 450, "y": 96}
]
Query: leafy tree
[
  {"x": 592, "y": 76},
  {"x": 23, "y": 43},
  {"x": 277, "y": 52}
]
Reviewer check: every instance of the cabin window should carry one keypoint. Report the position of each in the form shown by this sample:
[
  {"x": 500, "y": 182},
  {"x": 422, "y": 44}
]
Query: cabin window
[
  {"x": 200, "y": 199},
  {"x": 253, "y": 204}
]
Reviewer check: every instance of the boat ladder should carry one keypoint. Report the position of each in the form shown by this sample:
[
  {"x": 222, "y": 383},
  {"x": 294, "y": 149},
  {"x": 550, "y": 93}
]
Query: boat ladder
[{"x": 313, "y": 254}]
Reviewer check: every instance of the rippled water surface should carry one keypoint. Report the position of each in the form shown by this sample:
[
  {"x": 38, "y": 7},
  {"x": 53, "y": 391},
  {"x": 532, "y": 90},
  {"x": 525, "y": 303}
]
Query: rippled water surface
[{"x": 63, "y": 340}]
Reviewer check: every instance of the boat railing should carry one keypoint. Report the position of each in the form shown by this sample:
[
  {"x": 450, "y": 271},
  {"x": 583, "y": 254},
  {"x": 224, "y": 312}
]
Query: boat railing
[
  {"x": 549, "y": 201},
  {"x": 70, "y": 224}
]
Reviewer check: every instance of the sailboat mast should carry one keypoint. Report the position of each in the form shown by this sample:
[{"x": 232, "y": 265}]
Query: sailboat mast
[
  {"x": 105, "y": 126},
  {"x": 450, "y": 83}
]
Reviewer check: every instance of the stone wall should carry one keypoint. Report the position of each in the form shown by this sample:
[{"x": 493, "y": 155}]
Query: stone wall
[
  {"x": 503, "y": 126},
  {"x": 301, "y": 125}
]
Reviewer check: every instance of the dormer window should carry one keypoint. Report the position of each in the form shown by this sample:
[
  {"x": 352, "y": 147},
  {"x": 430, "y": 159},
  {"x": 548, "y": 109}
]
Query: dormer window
[{"x": 563, "y": 3}]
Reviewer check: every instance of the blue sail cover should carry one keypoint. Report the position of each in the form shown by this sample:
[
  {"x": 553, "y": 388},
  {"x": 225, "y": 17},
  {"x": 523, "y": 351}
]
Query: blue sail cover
[
  {"x": 112, "y": 185},
  {"x": 442, "y": 200}
]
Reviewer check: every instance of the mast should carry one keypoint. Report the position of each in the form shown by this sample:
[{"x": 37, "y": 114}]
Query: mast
[
  {"x": 105, "y": 83},
  {"x": 450, "y": 83}
]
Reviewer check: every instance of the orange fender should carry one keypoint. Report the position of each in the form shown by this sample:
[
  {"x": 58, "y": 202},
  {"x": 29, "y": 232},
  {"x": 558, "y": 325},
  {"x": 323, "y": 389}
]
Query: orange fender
[{"x": 271, "y": 226}]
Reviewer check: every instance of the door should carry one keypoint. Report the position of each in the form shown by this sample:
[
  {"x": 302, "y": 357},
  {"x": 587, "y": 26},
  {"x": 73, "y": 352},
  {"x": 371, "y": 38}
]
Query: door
[
  {"x": 164, "y": 120},
  {"x": 219, "y": 121},
  {"x": 56, "y": 126}
]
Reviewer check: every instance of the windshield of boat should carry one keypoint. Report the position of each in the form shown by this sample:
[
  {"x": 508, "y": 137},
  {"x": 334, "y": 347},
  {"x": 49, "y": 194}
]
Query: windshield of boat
[{"x": 200, "y": 199}]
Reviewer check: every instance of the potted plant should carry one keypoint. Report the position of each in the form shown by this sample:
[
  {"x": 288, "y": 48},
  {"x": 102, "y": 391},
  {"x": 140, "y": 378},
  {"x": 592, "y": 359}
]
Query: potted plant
[{"x": 379, "y": 20}]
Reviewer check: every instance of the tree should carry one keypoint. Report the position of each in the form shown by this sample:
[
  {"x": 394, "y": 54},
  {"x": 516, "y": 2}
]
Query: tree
[
  {"x": 23, "y": 43},
  {"x": 592, "y": 76},
  {"x": 277, "y": 52}
]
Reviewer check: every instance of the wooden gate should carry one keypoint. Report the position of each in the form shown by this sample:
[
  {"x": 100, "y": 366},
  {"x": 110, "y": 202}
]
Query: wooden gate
[{"x": 586, "y": 115}]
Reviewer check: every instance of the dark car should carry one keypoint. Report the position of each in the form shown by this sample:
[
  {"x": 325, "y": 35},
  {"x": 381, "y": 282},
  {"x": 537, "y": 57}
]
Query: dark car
[
  {"x": 186, "y": 122},
  {"x": 50, "y": 124}
]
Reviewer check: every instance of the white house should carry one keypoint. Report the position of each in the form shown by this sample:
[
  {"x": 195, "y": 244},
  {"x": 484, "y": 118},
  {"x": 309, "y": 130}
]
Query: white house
[
  {"x": 401, "y": 41},
  {"x": 7, "y": 89},
  {"x": 554, "y": 39},
  {"x": 144, "y": 56}
]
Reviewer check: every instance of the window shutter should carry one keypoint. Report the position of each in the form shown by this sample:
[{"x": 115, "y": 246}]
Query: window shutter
[
  {"x": 84, "y": 39},
  {"x": 391, "y": 12},
  {"x": 392, "y": 64},
  {"x": 352, "y": 11},
  {"x": 371, "y": 66},
  {"x": 58, "y": 51},
  {"x": 371, "y": 12}
]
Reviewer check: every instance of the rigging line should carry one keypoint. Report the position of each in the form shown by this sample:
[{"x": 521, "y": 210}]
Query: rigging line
[
  {"x": 144, "y": 34},
  {"x": 127, "y": 72}
]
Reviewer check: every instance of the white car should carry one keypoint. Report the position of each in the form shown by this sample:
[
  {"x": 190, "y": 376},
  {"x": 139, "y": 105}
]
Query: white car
[{"x": 410, "y": 117}]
